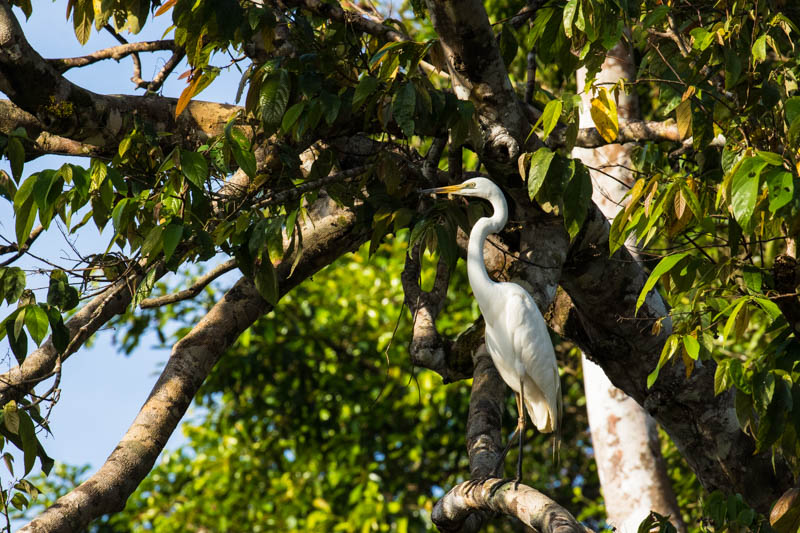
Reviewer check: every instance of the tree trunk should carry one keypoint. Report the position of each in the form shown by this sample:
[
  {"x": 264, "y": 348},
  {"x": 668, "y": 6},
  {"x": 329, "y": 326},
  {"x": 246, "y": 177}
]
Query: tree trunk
[{"x": 631, "y": 469}]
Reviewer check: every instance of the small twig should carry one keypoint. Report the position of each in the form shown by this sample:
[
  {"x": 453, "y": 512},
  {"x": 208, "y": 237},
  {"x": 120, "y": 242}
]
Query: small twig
[
  {"x": 530, "y": 80},
  {"x": 137, "y": 63},
  {"x": 20, "y": 251},
  {"x": 165, "y": 71},
  {"x": 295, "y": 193},
  {"x": 431, "y": 163},
  {"x": 192, "y": 291},
  {"x": 455, "y": 164}
]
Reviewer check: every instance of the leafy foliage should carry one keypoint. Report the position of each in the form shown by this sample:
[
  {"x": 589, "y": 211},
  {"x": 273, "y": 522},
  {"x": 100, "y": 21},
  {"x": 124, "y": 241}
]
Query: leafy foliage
[{"x": 718, "y": 214}]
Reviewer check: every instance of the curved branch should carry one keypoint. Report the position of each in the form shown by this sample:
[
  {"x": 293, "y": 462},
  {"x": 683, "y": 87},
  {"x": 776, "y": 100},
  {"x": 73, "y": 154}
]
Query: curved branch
[
  {"x": 115, "y": 52},
  {"x": 530, "y": 506},
  {"x": 67, "y": 110},
  {"x": 466, "y": 507},
  {"x": 192, "y": 291},
  {"x": 192, "y": 359}
]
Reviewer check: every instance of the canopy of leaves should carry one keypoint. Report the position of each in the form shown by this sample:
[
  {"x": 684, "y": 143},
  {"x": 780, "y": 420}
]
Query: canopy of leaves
[{"x": 717, "y": 213}]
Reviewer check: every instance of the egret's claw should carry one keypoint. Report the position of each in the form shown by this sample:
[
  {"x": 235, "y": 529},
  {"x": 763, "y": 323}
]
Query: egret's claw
[{"x": 497, "y": 486}]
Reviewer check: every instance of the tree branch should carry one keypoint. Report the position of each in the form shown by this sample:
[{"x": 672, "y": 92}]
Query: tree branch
[
  {"x": 192, "y": 291},
  {"x": 192, "y": 359},
  {"x": 115, "y": 52},
  {"x": 530, "y": 506},
  {"x": 478, "y": 74},
  {"x": 67, "y": 110},
  {"x": 467, "y": 506}
]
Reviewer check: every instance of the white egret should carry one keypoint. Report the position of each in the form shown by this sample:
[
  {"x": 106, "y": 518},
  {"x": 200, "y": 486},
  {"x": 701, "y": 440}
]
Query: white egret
[{"x": 516, "y": 335}]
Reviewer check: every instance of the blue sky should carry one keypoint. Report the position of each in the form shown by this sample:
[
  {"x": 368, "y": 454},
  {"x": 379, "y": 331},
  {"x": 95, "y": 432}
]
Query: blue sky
[{"x": 102, "y": 390}]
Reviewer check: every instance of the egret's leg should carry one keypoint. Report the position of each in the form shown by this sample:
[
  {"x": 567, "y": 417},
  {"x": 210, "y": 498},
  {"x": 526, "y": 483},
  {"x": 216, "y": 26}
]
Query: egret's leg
[
  {"x": 501, "y": 459},
  {"x": 521, "y": 429}
]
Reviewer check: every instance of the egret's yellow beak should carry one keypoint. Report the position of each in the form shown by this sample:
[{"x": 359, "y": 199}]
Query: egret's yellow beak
[{"x": 443, "y": 190}]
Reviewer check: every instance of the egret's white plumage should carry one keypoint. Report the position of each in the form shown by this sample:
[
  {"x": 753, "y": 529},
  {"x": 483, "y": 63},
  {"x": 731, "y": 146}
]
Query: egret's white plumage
[{"x": 516, "y": 335}]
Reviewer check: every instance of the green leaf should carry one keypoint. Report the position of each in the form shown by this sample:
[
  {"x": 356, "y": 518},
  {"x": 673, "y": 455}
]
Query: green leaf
[
  {"x": 330, "y": 105},
  {"x": 569, "y": 15},
  {"x": 577, "y": 197},
  {"x": 266, "y": 281},
  {"x": 30, "y": 444},
  {"x": 366, "y": 86},
  {"x": 550, "y": 116},
  {"x": 240, "y": 147},
  {"x": 508, "y": 45},
  {"x": 763, "y": 390},
  {"x": 15, "y": 153},
  {"x": 13, "y": 284},
  {"x": 403, "y": 105},
  {"x": 194, "y": 167},
  {"x": 733, "y": 67},
  {"x": 82, "y": 17},
  {"x": 692, "y": 346},
  {"x": 11, "y": 417},
  {"x": 37, "y": 323},
  {"x": 26, "y": 216},
  {"x": 61, "y": 333},
  {"x": 702, "y": 38},
  {"x": 291, "y": 116},
  {"x": 780, "y": 184},
  {"x": 540, "y": 163},
  {"x": 760, "y": 49},
  {"x": 732, "y": 317},
  {"x": 448, "y": 248},
  {"x": 273, "y": 98},
  {"x": 153, "y": 242},
  {"x": 121, "y": 214},
  {"x": 752, "y": 278},
  {"x": 744, "y": 190},
  {"x": 669, "y": 348},
  {"x": 172, "y": 237},
  {"x": 791, "y": 109},
  {"x": 770, "y": 157},
  {"x": 663, "y": 266},
  {"x": 722, "y": 381}
]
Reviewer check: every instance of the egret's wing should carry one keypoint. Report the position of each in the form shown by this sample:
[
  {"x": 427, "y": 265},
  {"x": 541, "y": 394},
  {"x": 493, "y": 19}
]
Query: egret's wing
[{"x": 532, "y": 345}]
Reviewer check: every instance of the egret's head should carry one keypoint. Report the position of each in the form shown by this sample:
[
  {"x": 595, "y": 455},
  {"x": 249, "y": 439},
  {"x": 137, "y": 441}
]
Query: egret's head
[{"x": 480, "y": 187}]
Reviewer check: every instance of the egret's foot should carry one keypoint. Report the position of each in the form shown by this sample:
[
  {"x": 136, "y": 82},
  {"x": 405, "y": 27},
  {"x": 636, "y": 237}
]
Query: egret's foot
[
  {"x": 472, "y": 483},
  {"x": 497, "y": 486},
  {"x": 517, "y": 481}
]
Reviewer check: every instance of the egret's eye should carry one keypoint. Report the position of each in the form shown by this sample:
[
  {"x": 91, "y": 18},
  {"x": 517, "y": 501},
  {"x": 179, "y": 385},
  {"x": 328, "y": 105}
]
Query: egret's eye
[{"x": 471, "y": 185}]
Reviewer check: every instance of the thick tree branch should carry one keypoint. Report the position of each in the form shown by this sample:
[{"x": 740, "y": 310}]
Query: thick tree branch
[
  {"x": 42, "y": 142},
  {"x": 530, "y": 506},
  {"x": 452, "y": 361},
  {"x": 192, "y": 359},
  {"x": 621, "y": 341},
  {"x": 67, "y": 110},
  {"x": 786, "y": 272},
  {"x": 478, "y": 74},
  {"x": 467, "y": 506},
  {"x": 39, "y": 364}
]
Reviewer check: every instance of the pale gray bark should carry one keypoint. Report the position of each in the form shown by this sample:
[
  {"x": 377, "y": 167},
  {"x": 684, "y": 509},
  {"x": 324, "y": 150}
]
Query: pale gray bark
[{"x": 624, "y": 437}]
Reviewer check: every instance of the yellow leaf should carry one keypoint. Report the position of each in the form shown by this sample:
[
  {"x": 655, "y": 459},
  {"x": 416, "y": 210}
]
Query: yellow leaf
[
  {"x": 164, "y": 7},
  {"x": 688, "y": 362},
  {"x": 186, "y": 96},
  {"x": 680, "y": 204},
  {"x": 684, "y": 115},
  {"x": 604, "y": 114}
]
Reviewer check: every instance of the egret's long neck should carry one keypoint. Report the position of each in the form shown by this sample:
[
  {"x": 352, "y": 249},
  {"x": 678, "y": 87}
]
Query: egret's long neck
[{"x": 479, "y": 279}]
